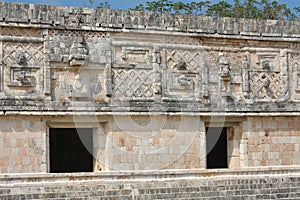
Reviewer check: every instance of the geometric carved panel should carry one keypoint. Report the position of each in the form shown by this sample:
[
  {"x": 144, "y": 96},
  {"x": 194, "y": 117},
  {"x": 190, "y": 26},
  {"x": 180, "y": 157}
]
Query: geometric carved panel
[
  {"x": 132, "y": 83},
  {"x": 33, "y": 51},
  {"x": 183, "y": 84},
  {"x": 193, "y": 59},
  {"x": 22, "y": 32},
  {"x": 182, "y": 40},
  {"x": 87, "y": 34},
  {"x": 61, "y": 43},
  {"x": 267, "y": 85},
  {"x": 295, "y": 63},
  {"x": 23, "y": 76},
  {"x": 71, "y": 85}
]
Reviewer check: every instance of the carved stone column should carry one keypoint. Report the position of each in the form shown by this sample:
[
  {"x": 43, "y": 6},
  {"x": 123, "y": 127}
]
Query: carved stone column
[
  {"x": 225, "y": 79},
  {"x": 246, "y": 65},
  {"x": 108, "y": 73},
  {"x": 156, "y": 60}
]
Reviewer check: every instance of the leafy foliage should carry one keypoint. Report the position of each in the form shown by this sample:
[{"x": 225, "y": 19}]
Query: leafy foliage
[{"x": 251, "y": 9}]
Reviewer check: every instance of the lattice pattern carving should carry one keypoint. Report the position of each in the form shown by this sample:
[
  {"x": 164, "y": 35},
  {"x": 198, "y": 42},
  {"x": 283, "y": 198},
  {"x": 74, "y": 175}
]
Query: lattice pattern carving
[
  {"x": 182, "y": 40},
  {"x": 87, "y": 34},
  {"x": 193, "y": 59},
  {"x": 295, "y": 61},
  {"x": 34, "y": 53},
  {"x": 132, "y": 83},
  {"x": 267, "y": 85},
  {"x": 295, "y": 46},
  {"x": 22, "y": 32}
]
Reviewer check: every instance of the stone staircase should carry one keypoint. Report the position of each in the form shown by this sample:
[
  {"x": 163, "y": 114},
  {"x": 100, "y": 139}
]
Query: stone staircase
[{"x": 265, "y": 183}]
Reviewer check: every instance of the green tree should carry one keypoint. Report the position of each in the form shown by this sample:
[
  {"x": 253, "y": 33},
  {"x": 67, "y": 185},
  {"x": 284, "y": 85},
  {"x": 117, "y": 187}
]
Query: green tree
[
  {"x": 179, "y": 7},
  {"x": 199, "y": 7},
  {"x": 252, "y": 9},
  {"x": 296, "y": 13},
  {"x": 274, "y": 10},
  {"x": 140, "y": 7},
  {"x": 164, "y": 6},
  {"x": 221, "y": 9}
]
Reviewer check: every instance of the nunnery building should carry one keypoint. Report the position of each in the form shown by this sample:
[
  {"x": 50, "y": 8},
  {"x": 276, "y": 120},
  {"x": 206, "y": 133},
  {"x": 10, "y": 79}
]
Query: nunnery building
[{"x": 110, "y": 104}]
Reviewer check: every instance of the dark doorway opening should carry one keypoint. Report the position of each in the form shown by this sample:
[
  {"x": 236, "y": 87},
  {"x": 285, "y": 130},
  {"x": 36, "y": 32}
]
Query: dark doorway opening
[
  {"x": 216, "y": 148},
  {"x": 71, "y": 150}
]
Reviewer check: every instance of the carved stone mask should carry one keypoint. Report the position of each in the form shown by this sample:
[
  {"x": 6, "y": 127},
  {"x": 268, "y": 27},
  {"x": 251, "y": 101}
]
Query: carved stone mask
[
  {"x": 21, "y": 75},
  {"x": 21, "y": 58}
]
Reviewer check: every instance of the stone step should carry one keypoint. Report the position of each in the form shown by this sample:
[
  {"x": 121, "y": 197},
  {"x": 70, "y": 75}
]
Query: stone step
[{"x": 284, "y": 189}]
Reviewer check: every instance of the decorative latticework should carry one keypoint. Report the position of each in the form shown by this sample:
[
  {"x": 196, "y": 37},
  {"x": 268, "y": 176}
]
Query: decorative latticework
[
  {"x": 267, "y": 85},
  {"x": 132, "y": 83},
  {"x": 295, "y": 61},
  {"x": 193, "y": 59},
  {"x": 22, "y": 32},
  {"x": 295, "y": 46},
  {"x": 182, "y": 40},
  {"x": 295, "y": 58},
  {"x": 87, "y": 34},
  {"x": 34, "y": 52}
]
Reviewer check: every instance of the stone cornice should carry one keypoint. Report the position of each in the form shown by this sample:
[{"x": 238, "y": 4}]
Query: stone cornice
[{"x": 103, "y": 19}]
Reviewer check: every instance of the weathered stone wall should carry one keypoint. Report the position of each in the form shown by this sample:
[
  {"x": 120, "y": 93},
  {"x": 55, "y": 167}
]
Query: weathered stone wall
[
  {"x": 154, "y": 143},
  {"x": 148, "y": 84},
  {"x": 272, "y": 141},
  {"x": 23, "y": 145}
]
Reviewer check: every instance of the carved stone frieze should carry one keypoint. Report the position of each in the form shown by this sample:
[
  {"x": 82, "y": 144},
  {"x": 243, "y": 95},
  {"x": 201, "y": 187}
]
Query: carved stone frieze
[
  {"x": 78, "y": 47},
  {"x": 136, "y": 73},
  {"x": 79, "y": 52},
  {"x": 157, "y": 72},
  {"x": 130, "y": 83},
  {"x": 295, "y": 46},
  {"x": 23, "y": 64},
  {"x": 135, "y": 57},
  {"x": 184, "y": 74},
  {"x": 245, "y": 74},
  {"x": 267, "y": 85},
  {"x": 83, "y": 85},
  {"x": 22, "y": 32},
  {"x": 183, "y": 40},
  {"x": 294, "y": 59},
  {"x": 23, "y": 76},
  {"x": 225, "y": 78},
  {"x": 14, "y": 53},
  {"x": 161, "y": 69},
  {"x": 183, "y": 84},
  {"x": 269, "y": 78},
  {"x": 192, "y": 59}
]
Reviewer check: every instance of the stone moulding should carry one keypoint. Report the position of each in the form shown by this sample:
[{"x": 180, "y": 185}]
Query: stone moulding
[
  {"x": 89, "y": 18},
  {"x": 149, "y": 175}
]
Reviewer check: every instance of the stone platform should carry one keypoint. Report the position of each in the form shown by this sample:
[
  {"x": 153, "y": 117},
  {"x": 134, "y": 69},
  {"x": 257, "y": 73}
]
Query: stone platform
[{"x": 251, "y": 183}]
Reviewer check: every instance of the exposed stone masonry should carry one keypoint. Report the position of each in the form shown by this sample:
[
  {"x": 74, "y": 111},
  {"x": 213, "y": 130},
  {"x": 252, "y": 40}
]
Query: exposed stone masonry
[{"x": 148, "y": 86}]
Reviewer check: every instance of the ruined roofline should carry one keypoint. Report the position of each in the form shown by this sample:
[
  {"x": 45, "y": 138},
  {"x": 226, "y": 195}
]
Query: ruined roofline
[{"x": 93, "y": 19}]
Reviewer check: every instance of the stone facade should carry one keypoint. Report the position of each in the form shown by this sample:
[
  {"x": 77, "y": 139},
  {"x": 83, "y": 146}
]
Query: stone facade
[{"x": 148, "y": 85}]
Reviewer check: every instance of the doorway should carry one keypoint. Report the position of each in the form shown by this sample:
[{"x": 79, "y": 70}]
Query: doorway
[
  {"x": 71, "y": 150},
  {"x": 216, "y": 148}
]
